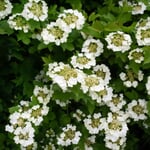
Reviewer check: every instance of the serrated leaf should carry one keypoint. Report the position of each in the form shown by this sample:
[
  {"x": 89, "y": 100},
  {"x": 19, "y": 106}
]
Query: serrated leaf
[
  {"x": 93, "y": 16},
  {"x": 67, "y": 46}
]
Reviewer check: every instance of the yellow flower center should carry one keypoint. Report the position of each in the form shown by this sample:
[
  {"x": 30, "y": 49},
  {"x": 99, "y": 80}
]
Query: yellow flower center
[
  {"x": 117, "y": 39},
  {"x": 2, "y": 5},
  {"x": 145, "y": 34},
  {"x": 57, "y": 32},
  {"x": 91, "y": 81},
  {"x": 115, "y": 125},
  {"x": 138, "y": 109},
  {"x": 36, "y": 113},
  {"x": 82, "y": 60},
  {"x": 95, "y": 123},
  {"x": 92, "y": 47},
  {"x": 36, "y": 9},
  {"x": 67, "y": 73},
  {"x": 70, "y": 18},
  {"x": 70, "y": 134}
]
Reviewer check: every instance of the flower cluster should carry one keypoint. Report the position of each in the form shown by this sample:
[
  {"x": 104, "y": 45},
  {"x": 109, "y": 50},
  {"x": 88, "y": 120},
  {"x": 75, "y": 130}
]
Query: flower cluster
[
  {"x": 90, "y": 93},
  {"x": 5, "y": 8}
]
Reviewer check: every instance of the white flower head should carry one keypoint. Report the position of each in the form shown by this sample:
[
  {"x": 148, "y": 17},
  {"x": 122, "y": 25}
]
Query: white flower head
[
  {"x": 43, "y": 94},
  {"x": 118, "y": 41},
  {"x": 62, "y": 103},
  {"x": 69, "y": 136},
  {"x": 24, "y": 136},
  {"x": 137, "y": 109},
  {"x": 54, "y": 33},
  {"x": 71, "y": 19},
  {"x": 138, "y": 8},
  {"x": 148, "y": 85},
  {"x": 130, "y": 78},
  {"x": 143, "y": 35},
  {"x": 102, "y": 71},
  {"x": 102, "y": 96},
  {"x": 31, "y": 147},
  {"x": 83, "y": 61},
  {"x": 92, "y": 83},
  {"x": 116, "y": 126},
  {"x": 136, "y": 55},
  {"x": 36, "y": 10},
  {"x": 78, "y": 115},
  {"x": 118, "y": 144},
  {"x": 37, "y": 113},
  {"x": 64, "y": 75},
  {"x": 94, "y": 124},
  {"x": 93, "y": 47},
  {"x": 5, "y": 8},
  {"x": 18, "y": 22},
  {"x": 116, "y": 103}
]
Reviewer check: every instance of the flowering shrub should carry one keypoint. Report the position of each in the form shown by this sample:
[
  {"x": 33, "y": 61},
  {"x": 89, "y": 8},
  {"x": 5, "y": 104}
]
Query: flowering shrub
[{"x": 75, "y": 74}]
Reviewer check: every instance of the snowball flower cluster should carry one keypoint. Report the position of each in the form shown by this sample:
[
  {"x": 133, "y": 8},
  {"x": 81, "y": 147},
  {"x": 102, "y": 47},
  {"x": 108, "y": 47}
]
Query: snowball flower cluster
[
  {"x": 94, "y": 124},
  {"x": 18, "y": 22},
  {"x": 130, "y": 78},
  {"x": 143, "y": 32},
  {"x": 137, "y": 55},
  {"x": 5, "y": 8},
  {"x": 118, "y": 41},
  {"x": 69, "y": 136},
  {"x": 137, "y": 109},
  {"x": 36, "y": 10},
  {"x": 64, "y": 75}
]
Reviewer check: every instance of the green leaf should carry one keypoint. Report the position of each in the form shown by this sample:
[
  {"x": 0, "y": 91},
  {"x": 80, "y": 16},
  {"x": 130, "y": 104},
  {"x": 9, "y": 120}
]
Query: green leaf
[
  {"x": 89, "y": 30},
  {"x": 76, "y": 4},
  {"x": 13, "y": 109},
  {"x": 24, "y": 37},
  {"x": 93, "y": 16},
  {"x": 146, "y": 55},
  {"x": 67, "y": 46},
  {"x": 4, "y": 28}
]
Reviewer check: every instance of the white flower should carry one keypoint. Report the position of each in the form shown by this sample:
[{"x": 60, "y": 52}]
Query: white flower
[
  {"x": 130, "y": 78},
  {"x": 116, "y": 103},
  {"x": 136, "y": 55},
  {"x": 143, "y": 22},
  {"x": 78, "y": 115},
  {"x": 95, "y": 123},
  {"x": 5, "y": 8},
  {"x": 118, "y": 41},
  {"x": 143, "y": 36},
  {"x": 116, "y": 126},
  {"x": 54, "y": 33},
  {"x": 148, "y": 85},
  {"x": 71, "y": 19},
  {"x": 62, "y": 103},
  {"x": 92, "y": 83},
  {"x": 118, "y": 144},
  {"x": 24, "y": 136},
  {"x": 102, "y": 71},
  {"x": 138, "y": 8},
  {"x": 18, "y": 22},
  {"x": 69, "y": 136},
  {"x": 64, "y": 75},
  {"x": 41, "y": 77},
  {"x": 43, "y": 94},
  {"x": 83, "y": 61},
  {"x": 93, "y": 47},
  {"x": 31, "y": 147},
  {"x": 137, "y": 109},
  {"x": 102, "y": 96},
  {"x": 36, "y": 10},
  {"x": 37, "y": 113},
  {"x": 88, "y": 144}
]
